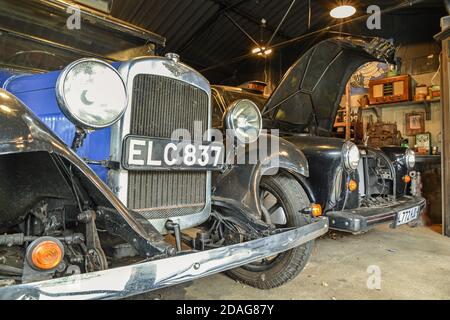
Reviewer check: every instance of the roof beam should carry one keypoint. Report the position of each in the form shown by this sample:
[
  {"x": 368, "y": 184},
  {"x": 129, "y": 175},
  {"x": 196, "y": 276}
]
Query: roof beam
[
  {"x": 253, "y": 19},
  {"x": 242, "y": 29},
  {"x": 281, "y": 23},
  {"x": 223, "y": 8}
]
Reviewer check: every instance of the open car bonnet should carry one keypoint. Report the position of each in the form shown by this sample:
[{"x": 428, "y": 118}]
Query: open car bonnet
[{"x": 311, "y": 90}]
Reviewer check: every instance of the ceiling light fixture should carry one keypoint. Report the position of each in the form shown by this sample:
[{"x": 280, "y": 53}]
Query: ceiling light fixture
[
  {"x": 262, "y": 51},
  {"x": 343, "y": 11}
]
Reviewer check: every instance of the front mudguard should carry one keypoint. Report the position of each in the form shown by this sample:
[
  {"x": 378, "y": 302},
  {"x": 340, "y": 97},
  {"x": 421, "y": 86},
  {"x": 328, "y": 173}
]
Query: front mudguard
[
  {"x": 21, "y": 131},
  {"x": 237, "y": 188}
]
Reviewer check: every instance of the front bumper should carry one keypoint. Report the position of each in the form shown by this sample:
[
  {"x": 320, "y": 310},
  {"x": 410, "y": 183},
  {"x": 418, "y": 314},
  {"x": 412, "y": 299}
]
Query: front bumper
[
  {"x": 362, "y": 219},
  {"x": 139, "y": 278}
]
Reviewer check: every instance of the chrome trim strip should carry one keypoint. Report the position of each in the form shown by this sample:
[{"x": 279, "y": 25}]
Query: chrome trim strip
[
  {"x": 56, "y": 45},
  {"x": 165, "y": 67},
  {"x": 105, "y": 20},
  {"x": 362, "y": 180},
  {"x": 140, "y": 278}
]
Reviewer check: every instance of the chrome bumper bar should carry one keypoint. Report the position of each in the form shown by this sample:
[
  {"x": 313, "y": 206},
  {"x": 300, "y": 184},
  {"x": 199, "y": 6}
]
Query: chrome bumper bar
[
  {"x": 362, "y": 219},
  {"x": 140, "y": 278}
]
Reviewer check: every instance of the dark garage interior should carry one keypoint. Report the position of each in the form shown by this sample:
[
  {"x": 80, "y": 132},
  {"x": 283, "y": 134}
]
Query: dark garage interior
[{"x": 330, "y": 78}]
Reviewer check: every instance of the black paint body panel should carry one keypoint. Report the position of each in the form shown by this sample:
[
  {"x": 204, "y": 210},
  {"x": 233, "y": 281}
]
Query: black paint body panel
[{"x": 325, "y": 160}]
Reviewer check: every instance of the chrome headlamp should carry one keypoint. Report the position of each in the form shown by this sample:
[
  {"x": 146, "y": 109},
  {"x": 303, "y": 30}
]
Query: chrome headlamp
[
  {"x": 350, "y": 156},
  {"x": 91, "y": 93},
  {"x": 410, "y": 158},
  {"x": 244, "y": 118}
]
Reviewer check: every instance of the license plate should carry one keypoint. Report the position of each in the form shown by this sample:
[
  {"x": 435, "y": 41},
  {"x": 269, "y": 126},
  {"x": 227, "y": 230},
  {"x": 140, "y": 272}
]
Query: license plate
[
  {"x": 143, "y": 153},
  {"x": 407, "y": 215}
]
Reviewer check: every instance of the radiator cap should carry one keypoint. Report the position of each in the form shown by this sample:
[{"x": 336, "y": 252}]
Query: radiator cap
[{"x": 173, "y": 56}]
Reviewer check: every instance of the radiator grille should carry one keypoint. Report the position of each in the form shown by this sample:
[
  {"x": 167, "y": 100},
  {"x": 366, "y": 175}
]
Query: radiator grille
[{"x": 159, "y": 106}]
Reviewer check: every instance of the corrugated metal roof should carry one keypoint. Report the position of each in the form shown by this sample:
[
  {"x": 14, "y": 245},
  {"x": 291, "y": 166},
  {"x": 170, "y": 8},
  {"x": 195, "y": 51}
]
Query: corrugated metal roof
[
  {"x": 205, "y": 33},
  {"x": 179, "y": 20},
  {"x": 200, "y": 32}
]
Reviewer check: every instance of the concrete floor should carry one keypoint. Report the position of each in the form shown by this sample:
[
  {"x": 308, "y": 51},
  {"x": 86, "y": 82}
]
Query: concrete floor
[{"x": 414, "y": 264}]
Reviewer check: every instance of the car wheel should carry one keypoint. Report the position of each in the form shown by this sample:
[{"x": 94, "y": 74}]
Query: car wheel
[{"x": 282, "y": 199}]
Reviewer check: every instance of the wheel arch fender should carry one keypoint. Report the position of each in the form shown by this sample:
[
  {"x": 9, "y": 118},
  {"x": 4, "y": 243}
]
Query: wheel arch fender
[
  {"x": 304, "y": 182},
  {"x": 237, "y": 187}
]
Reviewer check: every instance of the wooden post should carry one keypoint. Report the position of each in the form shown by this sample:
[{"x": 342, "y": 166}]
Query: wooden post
[
  {"x": 348, "y": 121},
  {"x": 444, "y": 36}
]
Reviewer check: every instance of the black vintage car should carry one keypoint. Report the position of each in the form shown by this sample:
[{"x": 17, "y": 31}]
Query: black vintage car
[
  {"x": 96, "y": 202},
  {"x": 358, "y": 186}
]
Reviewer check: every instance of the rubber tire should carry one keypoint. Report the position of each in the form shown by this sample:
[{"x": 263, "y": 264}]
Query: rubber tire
[{"x": 293, "y": 261}]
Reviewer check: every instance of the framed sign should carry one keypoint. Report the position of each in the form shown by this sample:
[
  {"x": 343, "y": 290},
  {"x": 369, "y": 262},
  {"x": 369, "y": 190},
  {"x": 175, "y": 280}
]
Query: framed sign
[
  {"x": 415, "y": 123},
  {"x": 423, "y": 142}
]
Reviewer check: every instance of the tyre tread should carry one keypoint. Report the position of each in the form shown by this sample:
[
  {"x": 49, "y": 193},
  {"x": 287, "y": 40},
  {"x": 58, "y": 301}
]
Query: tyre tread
[{"x": 297, "y": 258}]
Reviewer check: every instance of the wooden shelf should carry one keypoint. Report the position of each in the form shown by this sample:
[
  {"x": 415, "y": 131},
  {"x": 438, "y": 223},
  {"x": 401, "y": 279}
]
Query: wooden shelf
[{"x": 424, "y": 104}]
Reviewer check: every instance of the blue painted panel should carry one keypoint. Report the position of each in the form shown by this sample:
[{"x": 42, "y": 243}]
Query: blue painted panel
[
  {"x": 4, "y": 75},
  {"x": 38, "y": 93},
  {"x": 33, "y": 82}
]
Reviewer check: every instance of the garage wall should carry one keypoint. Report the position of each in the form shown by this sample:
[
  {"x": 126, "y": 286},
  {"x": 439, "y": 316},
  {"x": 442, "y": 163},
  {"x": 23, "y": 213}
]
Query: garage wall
[{"x": 397, "y": 114}]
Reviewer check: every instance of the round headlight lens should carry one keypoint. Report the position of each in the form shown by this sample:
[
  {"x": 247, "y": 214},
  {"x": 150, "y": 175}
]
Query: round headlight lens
[
  {"x": 91, "y": 93},
  {"x": 245, "y": 119},
  {"x": 351, "y": 156},
  {"x": 410, "y": 157}
]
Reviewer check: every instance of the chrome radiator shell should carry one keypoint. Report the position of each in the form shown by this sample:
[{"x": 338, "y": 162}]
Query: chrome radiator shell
[{"x": 157, "y": 83}]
